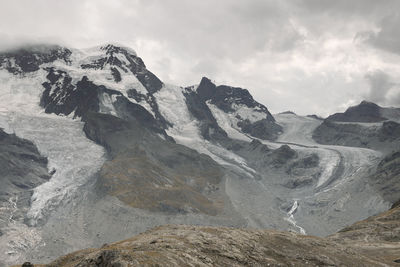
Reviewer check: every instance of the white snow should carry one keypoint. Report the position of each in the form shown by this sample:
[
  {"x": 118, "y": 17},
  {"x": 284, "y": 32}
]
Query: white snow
[
  {"x": 330, "y": 160},
  {"x": 106, "y": 104},
  {"x": 228, "y": 122},
  {"x": 101, "y": 76},
  {"x": 122, "y": 58},
  {"x": 246, "y": 113},
  {"x": 21, "y": 94}
]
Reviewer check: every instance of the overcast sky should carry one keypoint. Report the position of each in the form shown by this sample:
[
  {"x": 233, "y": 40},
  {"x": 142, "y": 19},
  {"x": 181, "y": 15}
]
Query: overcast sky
[{"x": 309, "y": 56}]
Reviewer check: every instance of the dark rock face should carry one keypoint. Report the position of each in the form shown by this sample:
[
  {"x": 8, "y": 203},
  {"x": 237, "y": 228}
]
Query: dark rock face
[
  {"x": 387, "y": 176},
  {"x": 257, "y": 145},
  {"x": 384, "y": 138},
  {"x": 209, "y": 127},
  {"x": 130, "y": 111},
  {"x": 22, "y": 167},
  {"x": 122, "y": 60},
  {"x": 28, "y": 59},
  {"x": 282, "y": 155},
  {"x": 263, "y": 129},
  {"x": 227, "y": 99},
  {"x": 364, "y": 112},
  {"x": 303, "y": 171},
  {"x": 224, "y": 96},
  {"x": 151, "y": 100},
  {"x": 62, "y": 97},
  {"x": 390, "y": 131}
]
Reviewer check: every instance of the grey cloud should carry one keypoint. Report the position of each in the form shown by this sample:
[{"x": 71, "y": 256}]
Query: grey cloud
[
  {"x": 281, "y": 50},
  {"x": 388, "y": 36},
  {"x": 380, "y": 84},
  {"x": 346, "y": 7}
]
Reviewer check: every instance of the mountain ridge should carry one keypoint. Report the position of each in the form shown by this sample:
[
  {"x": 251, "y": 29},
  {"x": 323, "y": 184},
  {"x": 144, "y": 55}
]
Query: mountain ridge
[{"x": 131, "y": 152}]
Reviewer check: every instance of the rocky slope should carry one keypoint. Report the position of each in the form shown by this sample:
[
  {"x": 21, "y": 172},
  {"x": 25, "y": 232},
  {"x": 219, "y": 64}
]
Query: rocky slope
[
  {"x": 383, "y": 136},
  {"x": 131, "y": 153},
  {"x": 372, "y": 242},
  {"x": 387, "y": 176},
  {"x": 146, "y": 171},
  {"x": 366, "y": 112}
]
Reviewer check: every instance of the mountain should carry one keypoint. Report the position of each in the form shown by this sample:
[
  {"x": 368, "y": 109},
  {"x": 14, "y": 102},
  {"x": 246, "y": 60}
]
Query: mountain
[
  {"x": 373, "y": 242},
  {"x": 366, "y": 112},
  {"x": 121, "y": 152},
  {"x": 365, "y": 125}
]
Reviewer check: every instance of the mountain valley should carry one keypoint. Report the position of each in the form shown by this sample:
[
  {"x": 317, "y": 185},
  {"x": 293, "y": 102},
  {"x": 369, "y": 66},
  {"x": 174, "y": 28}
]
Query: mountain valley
[{"x": 101, "y": 150}]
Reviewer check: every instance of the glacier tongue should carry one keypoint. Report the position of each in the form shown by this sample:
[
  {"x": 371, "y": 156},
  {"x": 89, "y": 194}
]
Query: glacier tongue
[{"x": 74, "y": 157}]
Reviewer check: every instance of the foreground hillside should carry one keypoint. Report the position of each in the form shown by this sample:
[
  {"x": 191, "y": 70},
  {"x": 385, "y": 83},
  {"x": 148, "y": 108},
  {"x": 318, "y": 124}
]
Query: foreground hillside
[{"x": 372, "y": 242}]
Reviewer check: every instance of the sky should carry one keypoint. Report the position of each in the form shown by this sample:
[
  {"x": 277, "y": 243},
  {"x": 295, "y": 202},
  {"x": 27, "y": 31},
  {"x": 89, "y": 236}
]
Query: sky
[{"x": 307, "y": 56}]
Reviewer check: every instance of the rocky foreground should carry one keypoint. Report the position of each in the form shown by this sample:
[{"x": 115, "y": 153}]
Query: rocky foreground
[{"x": 372, "y": 242}]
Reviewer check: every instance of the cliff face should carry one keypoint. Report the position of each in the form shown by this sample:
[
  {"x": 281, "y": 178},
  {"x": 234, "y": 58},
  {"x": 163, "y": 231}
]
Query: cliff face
[
  {"x": 372, "y": 242},
  {"x": 22, "y": 168}
]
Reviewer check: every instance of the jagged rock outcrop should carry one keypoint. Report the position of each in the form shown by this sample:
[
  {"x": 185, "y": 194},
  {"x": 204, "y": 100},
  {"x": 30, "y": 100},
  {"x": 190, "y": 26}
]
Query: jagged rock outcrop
[
  {"x": 364, "y": 112},
  {"x": 246, "y": 114},
  {"x": 365, "y": 125},
  {"x": 384, "y": 137}
]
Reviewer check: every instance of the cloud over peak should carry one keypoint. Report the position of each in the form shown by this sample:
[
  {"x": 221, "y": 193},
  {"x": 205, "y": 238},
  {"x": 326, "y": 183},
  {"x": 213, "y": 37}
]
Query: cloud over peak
[{"x": 310, "y": 56}]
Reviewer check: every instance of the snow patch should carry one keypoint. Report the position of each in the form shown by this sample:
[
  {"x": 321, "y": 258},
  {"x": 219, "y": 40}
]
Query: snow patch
[
  {"x": 106, "y": 104},
  {"x": 185, "y": 130},
  {"x": 228, "y": 122},
  {"x": 101, "y": 76},
  {"x": 246, "y": 113}
]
